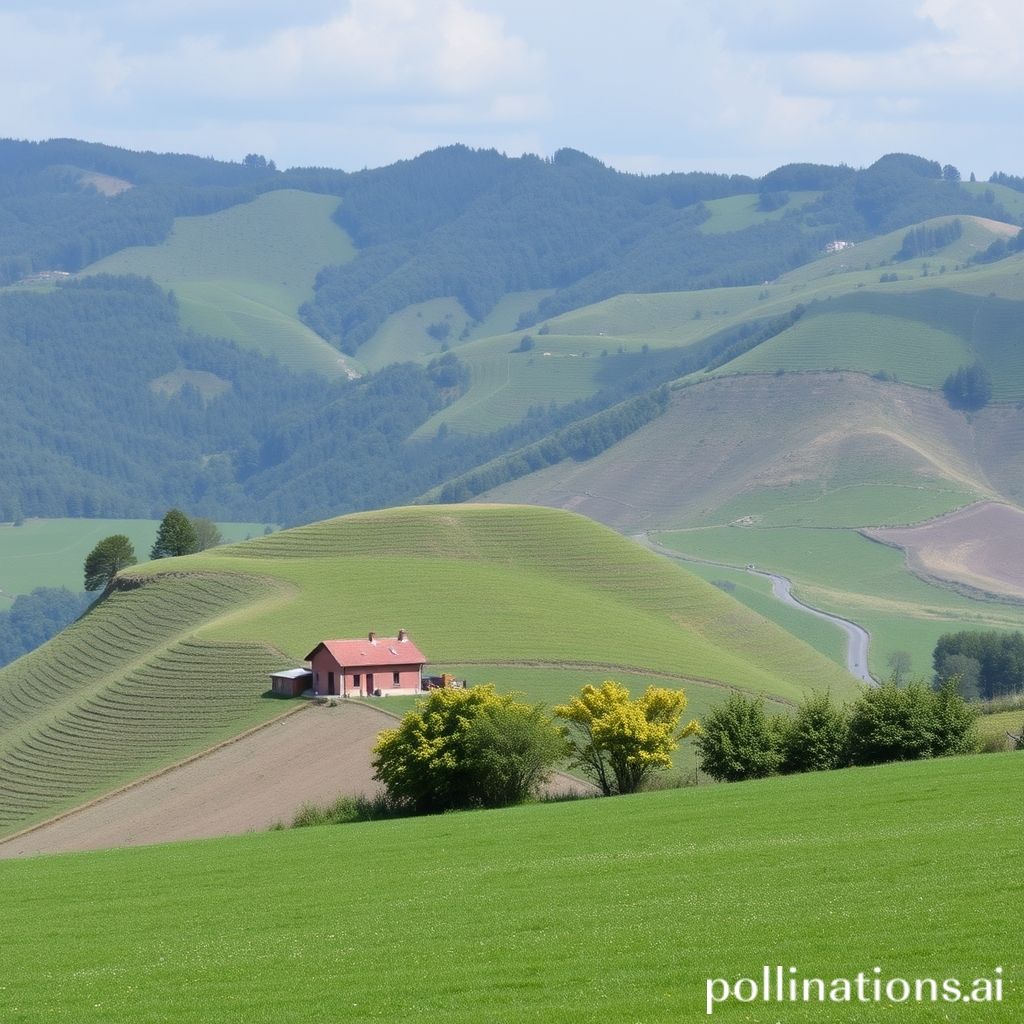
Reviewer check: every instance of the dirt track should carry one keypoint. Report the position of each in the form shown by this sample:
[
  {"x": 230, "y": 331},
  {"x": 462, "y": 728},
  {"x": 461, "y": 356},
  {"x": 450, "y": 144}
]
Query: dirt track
[
  {"x": 264, "y": 777},
  {"x": 313, "y": 755},
  {"x": 981, "y": 546}
]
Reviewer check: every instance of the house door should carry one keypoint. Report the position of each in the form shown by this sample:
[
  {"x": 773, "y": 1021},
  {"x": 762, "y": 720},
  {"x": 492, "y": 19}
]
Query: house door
[{"x": 330, "y": 683}]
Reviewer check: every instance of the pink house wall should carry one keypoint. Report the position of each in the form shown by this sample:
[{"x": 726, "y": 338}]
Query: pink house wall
[{"x": 324, "y": 663}]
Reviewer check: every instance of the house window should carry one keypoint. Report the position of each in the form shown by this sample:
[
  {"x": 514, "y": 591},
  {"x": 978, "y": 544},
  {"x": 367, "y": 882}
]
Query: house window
[
  {"x": 396, "y": 679},
  {"x": 357, "y": 680}
]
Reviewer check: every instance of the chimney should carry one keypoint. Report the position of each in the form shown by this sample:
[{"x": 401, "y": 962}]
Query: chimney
[
  {"x": 372, "y": 637},
  {"x": 402, "y": 635}
]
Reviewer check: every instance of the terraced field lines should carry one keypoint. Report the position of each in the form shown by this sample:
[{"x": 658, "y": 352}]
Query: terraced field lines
[{"x": 125, "y": 689}]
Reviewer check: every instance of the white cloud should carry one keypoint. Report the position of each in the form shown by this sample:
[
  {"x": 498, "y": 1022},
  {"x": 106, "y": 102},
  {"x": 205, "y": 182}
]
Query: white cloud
[{"x": 376, "y": 47}]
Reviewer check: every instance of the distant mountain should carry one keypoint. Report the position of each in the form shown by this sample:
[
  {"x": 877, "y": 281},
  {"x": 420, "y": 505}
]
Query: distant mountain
[{"x": 484, "y": 304}]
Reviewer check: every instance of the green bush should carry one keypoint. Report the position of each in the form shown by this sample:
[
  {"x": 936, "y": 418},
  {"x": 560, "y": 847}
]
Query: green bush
[
  {"x": 739, "y": 740},
  {"x": 817, "y": 736},
  {"x": 467, "y": 748},
  {"x": 347, "y": 809},
  {"x": 894, "y": 724}
]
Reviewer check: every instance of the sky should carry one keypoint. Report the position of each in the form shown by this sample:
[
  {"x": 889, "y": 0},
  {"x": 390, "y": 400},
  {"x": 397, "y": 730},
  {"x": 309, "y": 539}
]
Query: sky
[{"x": 736, "y": 86}]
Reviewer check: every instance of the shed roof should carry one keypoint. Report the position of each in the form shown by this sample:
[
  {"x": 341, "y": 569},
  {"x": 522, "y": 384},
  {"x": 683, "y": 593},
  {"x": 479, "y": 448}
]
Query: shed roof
[
  {"x": 290, "y": 673},
  {"x": 383, "y": 650}
]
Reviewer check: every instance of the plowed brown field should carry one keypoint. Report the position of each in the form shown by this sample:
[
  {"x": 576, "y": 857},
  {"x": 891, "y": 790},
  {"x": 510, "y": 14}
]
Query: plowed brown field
[{"x": 981, "y": 546}]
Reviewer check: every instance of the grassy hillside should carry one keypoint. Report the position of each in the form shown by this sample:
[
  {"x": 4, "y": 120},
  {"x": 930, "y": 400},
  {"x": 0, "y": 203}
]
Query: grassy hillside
[
  {"x": 406, "y": 334},
  {"x": 551, "y": 598},
  {"x": 782, "y": 471},
  {"x": 836, "y": 450},
  {"x": 586, "y": 912},
  {"x": 940, "y": 313},
  {"x": 242, "y": 273},
  {"x": 744, "y": 211},
  {"x": 51, "y": 552}
]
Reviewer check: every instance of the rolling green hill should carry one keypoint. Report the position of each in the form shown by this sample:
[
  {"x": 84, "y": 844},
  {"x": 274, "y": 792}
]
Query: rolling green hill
[
  {"x": 179, "y": 656},
  {"x": 242, "y": 273},
  {"x": 599, "y": 910}
]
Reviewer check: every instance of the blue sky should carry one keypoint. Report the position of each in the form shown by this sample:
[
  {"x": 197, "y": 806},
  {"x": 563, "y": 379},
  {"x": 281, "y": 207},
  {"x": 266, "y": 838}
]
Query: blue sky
[{"x": 650, "y": 85}]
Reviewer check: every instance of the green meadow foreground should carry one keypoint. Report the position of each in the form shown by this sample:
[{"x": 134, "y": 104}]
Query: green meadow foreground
[{"x": 601, "y": 910}]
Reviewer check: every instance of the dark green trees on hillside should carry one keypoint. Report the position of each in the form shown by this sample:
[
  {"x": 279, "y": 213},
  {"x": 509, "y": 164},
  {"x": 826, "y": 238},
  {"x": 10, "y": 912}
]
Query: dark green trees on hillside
[
  {"x": 106, "y": 560},
  {"x": 991, "y": 664},
  {"x": 176, "y": 536},
  {"x": 970, "y": 387}
]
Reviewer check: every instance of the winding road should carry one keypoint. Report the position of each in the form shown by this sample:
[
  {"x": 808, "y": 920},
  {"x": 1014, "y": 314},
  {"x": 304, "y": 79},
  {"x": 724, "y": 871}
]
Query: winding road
[{"x": 857, "y": 637}]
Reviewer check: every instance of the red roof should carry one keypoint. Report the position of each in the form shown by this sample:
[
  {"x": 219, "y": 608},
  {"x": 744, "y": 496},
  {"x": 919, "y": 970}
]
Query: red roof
[{"x": 383, "y": 650}]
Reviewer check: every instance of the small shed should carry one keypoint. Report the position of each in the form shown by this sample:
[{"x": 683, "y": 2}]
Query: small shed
[
  {"x": 291, "y": 682},
  {"x": 376, "y": 666}
]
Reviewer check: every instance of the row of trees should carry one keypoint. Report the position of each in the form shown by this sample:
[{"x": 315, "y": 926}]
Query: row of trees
[
  {"x": 176, "y": 535},
  {"x": 477, "y": 748},
  {"x": 982, "y": 665},
  {"x": 474, "y": 747},
  {"x": 740, "y": 740}
]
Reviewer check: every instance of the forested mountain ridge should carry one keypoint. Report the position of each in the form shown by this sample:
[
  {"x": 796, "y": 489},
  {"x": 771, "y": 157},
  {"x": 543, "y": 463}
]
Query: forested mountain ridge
[
  {"x": 475, "y": 225},
  {"x": 113, "y": 408}
]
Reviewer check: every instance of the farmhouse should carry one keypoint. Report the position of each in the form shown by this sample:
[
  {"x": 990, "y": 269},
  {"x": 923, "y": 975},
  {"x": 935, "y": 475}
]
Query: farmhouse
[{"x": 376, "y": 666}]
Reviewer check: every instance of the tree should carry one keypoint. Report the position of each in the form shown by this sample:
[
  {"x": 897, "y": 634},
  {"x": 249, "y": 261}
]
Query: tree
[
  {"x": 106, "y": 560},
  {"x": 899, "y": 663},
  {"x": 619, "y": 741},
  {"x": 953, "y": 722},
  {"x": 964, "y": 672},
  {"x": 739, "y": 741},
  {"x": 890, "y": 724},
  {"x": 970, "y": 387},
  {"x": 467, "y": 748},
  {"x": 815, "y": 740},
  {"x": 514, "y": 747},
  {"x": 207, "y": 533},
  {"x": 175, "y": 536},
  {"x": 999, "y": 657}
]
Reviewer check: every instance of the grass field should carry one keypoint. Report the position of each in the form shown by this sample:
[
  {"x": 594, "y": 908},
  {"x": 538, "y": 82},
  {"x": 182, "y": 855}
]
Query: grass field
[
  {"x": 738, "y": 212},
  {"x": 156, "y": 672},
  {"x": 576, "y": 913},
  {"x": 51, "y": 552},
  {"x": 845, "y": 573},
  {"x": 242, "y": 273},
  {"x": 505, "y": 383},
  {"x": 756, "y": 593},
  {"x": 995, "y": 727}
]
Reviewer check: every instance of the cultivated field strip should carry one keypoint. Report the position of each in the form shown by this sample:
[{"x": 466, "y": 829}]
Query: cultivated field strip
[{"x": 125, "y": 690}]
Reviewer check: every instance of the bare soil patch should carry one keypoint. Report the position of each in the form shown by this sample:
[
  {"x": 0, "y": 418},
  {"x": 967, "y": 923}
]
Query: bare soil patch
[
  {"x": 981, "y": 547},
  {"x": 315, "y": 755}
]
